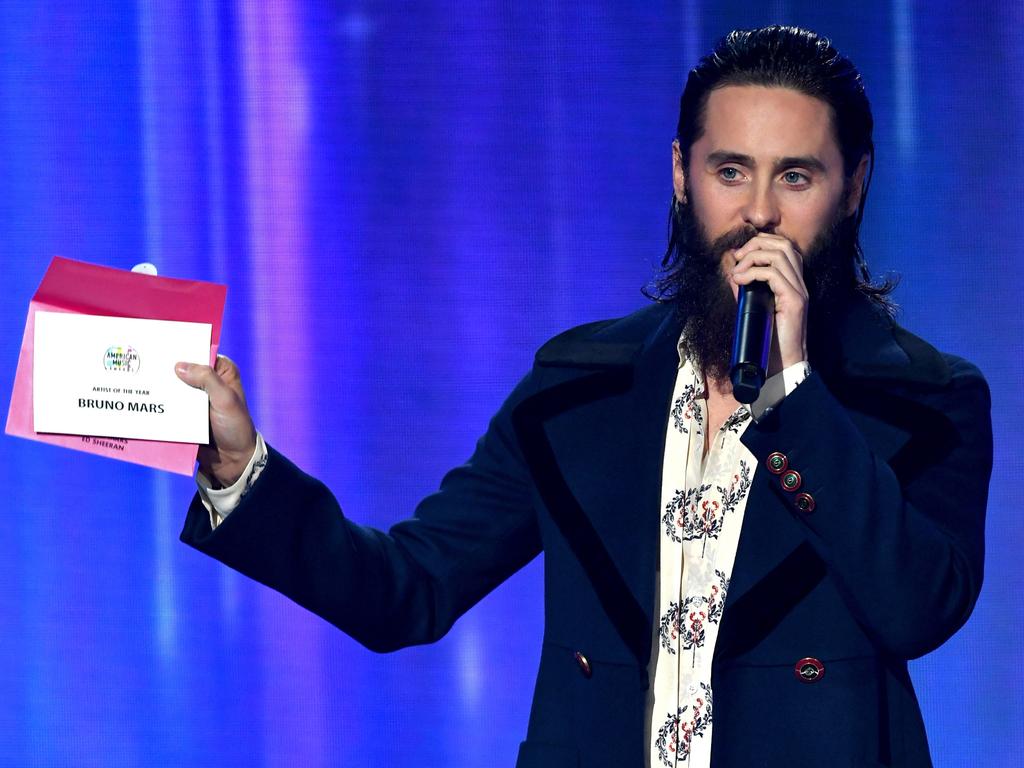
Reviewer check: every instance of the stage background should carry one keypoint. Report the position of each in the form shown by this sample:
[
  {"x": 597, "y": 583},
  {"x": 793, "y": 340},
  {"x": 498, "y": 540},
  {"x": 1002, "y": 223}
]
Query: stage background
[{"x": 406, "y": 199}]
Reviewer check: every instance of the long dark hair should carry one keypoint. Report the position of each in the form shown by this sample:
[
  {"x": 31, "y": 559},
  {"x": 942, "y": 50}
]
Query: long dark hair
[{"x": 782, "y": 57}]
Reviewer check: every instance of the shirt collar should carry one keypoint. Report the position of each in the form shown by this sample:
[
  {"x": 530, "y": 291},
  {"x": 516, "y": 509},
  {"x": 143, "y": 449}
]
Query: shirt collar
[{"x": 773, "y": 391}]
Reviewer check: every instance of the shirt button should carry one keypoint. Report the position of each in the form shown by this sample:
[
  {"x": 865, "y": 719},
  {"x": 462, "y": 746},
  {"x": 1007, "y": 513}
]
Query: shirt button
[
  {"x": 809, "y": 670},
  {"x": 584, "y": 664},
  {"x": 791, "y": 480},
  {"x": 777, "y": 463},
  {"x": 691, "y": 688},
  {"x": 805, "y": 502}
]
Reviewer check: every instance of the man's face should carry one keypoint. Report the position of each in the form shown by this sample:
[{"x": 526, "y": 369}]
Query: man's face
[{"x": 768, "y": 161}]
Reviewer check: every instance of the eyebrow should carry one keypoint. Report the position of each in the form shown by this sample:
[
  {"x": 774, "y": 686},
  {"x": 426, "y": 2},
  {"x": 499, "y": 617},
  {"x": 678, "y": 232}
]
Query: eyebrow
[{"x": 804, "y": 161}]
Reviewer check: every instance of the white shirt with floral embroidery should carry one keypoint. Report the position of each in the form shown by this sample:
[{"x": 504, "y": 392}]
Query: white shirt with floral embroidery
[{"x": 703, "y": 498}]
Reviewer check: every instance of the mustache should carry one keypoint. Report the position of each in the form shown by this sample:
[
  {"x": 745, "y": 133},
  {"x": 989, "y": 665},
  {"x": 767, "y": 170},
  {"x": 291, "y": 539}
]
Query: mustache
[{"x": 733, "y": 239}]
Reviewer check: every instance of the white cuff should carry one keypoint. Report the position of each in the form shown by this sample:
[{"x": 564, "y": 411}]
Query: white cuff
[
  {"x": 220, "y": 502},
  {"x": 777, "y": 387}
]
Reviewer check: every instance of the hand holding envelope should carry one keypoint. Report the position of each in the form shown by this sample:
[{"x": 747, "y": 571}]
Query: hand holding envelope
[
  {"x": 101, "y": 364},
  {"x": 234, "y": 435}
]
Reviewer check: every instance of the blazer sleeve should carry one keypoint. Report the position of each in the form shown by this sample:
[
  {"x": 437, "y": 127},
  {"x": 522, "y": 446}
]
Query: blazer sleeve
[
  {"x": 903, "y": 539},
  {"x": 388, "y": 590}
]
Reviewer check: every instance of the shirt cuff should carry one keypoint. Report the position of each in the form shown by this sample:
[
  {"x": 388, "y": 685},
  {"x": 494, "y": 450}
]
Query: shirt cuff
[
  {"x": 777, "y": 387},
  {"x": 220, "y": 502}
]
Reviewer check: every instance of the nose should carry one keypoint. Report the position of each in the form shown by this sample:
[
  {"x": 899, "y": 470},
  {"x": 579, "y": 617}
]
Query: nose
[{"x": 762, "y": 210}]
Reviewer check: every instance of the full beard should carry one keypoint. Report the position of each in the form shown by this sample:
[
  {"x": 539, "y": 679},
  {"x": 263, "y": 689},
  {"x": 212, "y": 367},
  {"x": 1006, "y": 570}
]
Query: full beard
[{"x": 706, "y": 306}]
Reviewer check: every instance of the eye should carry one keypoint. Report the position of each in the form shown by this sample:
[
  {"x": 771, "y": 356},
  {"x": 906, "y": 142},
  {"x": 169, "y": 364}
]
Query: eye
[
  {"x": 729, "y": 174},
  {"x": 795, "y": 178}
]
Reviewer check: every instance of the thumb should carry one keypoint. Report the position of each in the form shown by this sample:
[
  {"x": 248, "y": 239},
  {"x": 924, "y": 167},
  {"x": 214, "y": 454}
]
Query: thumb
[{"x": 205, "y": 378}]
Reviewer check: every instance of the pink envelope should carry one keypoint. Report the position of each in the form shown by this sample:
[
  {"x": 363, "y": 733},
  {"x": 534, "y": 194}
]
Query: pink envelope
[{"x": 89, "y": 289}]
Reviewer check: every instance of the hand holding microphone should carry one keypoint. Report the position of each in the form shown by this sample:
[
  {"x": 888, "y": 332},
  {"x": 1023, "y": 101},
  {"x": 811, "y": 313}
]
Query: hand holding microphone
[{"x": 768, "y": 280}]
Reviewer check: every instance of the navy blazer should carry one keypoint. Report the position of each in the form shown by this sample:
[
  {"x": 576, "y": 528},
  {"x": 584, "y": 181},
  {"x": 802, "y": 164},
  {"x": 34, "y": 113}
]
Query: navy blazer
[{"x": 892, "y": 442}]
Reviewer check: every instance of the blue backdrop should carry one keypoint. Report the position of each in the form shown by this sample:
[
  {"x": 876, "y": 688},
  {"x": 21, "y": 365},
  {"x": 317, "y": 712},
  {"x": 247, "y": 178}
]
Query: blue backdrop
[{"x": 406, "y": 199}]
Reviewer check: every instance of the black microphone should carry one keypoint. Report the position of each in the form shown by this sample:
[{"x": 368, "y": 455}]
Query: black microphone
[{"x": 755, "y": 320}]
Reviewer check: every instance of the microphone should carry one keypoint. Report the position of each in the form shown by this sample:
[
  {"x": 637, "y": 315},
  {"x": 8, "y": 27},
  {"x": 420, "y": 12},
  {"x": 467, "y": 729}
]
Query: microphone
[{"x": 755, "y": 320}]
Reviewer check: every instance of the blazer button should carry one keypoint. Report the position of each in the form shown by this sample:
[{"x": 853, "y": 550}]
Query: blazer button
[
  {"x": 809, "y": 670},
  {"x": 777, "y": 463},
  {"x": 791, "y": 480},
  {"x": 584, "y": 664},
  {"x": 805, "y": 502}
]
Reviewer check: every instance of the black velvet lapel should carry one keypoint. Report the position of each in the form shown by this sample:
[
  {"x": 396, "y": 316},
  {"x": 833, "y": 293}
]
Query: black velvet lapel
[{"x": 594, "y": 442}]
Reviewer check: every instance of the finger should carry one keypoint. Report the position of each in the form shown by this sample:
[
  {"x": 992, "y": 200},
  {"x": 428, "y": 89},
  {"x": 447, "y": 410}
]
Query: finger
[
  {"x": 778, "y": 245},
  {"x": 228, "y": 372},
  {"x": 763, "y": 255},
  {"x": 766, "y": 241},
  {"x": 767, "y": 237},
  {"x": 780, "y": 286},
  {"x": 205, "y": 378},
  {"x": 772, "y": 258},
  {"x": 225, "y": 367}
]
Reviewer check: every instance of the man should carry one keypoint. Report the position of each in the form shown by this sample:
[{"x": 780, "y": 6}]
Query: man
[{"x": 725, "y": 585}]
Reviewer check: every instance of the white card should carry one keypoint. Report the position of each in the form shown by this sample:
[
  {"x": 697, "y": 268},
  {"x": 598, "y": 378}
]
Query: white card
[{"x": 114, "y": 377}]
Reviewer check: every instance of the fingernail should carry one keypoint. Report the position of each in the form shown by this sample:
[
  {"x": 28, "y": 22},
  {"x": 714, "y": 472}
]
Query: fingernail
[{"x": 181, "y": 368}]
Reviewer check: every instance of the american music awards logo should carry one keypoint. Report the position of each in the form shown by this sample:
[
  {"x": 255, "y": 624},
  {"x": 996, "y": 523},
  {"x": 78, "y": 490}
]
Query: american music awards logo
[{"x": 121, "y": 360}]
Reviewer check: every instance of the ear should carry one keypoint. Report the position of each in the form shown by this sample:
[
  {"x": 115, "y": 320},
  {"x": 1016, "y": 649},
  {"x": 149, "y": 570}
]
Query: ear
[
  {"x": 856, "y": 187},
  {"x": 678, "y": 175}
]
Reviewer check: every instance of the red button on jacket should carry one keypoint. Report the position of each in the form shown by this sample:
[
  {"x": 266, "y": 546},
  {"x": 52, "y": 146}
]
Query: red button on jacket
[{"x": 809, "y": 670}]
